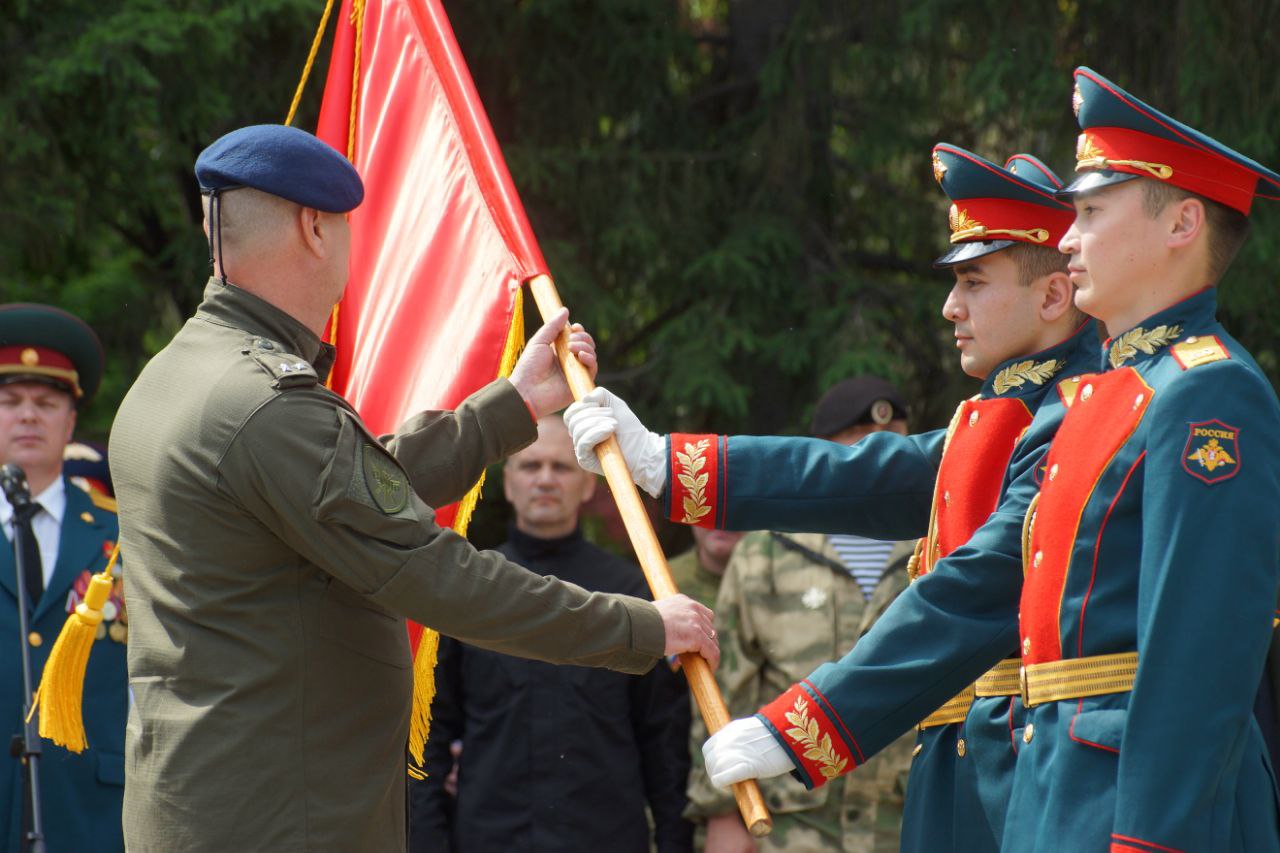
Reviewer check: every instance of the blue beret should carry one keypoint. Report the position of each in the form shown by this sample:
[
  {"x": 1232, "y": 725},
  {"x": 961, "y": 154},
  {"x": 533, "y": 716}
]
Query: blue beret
[{"x": 284, "y": 162}]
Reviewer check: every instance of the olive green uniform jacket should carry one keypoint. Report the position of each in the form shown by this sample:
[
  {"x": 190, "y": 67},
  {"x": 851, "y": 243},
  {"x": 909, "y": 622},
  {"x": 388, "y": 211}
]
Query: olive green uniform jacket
[
  {"x": 787, "y": 605},
  {"x": 273, "y": 549}
]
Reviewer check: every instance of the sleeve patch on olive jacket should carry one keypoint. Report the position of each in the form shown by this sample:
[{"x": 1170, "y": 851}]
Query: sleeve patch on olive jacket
[{"x": 386, "y": 483}]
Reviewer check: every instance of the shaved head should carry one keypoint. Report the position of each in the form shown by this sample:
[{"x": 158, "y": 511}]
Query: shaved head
[{"x": 251, "y": 219}]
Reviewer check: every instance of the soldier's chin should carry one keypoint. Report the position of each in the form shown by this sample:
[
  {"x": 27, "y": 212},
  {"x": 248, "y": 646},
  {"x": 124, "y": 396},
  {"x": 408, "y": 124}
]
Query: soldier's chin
[{"x": 973, "y": 364}]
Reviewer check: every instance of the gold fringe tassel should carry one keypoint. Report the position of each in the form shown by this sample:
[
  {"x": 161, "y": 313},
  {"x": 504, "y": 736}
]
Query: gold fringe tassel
[
  {"x": 424, "y": 662},
  {"x": 311, "y": 61},
  {"x": 62, "y": 684}
]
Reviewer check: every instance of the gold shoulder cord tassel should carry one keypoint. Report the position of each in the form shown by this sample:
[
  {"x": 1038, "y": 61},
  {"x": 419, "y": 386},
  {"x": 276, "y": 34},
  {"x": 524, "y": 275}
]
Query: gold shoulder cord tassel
[{"x": 62, "y": 684}]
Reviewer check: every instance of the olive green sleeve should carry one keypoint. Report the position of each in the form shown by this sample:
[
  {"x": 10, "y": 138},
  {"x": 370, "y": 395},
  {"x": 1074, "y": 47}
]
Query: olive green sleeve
[
  {"x": 309, "y": 472},
  {"x": 445, "y": 452}
]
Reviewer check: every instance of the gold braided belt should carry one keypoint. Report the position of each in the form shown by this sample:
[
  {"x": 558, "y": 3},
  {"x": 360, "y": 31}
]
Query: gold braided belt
[
  {"x": 1079, "y": 677},
  {"x": 1001, "y": 680},
  {"x": 956, "y": 709}
]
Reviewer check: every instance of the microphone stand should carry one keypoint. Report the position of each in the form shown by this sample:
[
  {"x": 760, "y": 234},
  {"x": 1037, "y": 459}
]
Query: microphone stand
[{"x": 27, "y": 745}]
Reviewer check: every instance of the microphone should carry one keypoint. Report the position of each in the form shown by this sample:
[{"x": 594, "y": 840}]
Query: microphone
[{"x": 14, "y": 483}]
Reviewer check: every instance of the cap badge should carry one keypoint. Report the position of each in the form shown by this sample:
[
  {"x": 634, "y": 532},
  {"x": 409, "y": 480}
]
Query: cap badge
[
  {"x": 965, "y": 227},
  {"x": 1090, "y": 156},
  {"x": 939, "y": 170},
  {"x": 30, "y": 357},
  {"x": 881, "y": 412},
  {"x": 1077, "y": 100}
]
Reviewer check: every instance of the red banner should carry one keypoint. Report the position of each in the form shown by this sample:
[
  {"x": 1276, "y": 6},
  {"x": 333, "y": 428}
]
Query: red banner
[
  {"x": 441, "y": 244},
  {"x": 439, "y": 248}
]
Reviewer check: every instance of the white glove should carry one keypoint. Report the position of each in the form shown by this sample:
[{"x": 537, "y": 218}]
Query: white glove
[
  {"x": 599, "y": 415},
  {"x": 744, "y": 749}
]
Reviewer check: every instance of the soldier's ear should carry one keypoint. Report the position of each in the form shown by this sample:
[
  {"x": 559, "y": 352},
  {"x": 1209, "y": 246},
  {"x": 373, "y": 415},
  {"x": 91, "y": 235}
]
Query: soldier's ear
[
  {"x": 1056, "y": 301},
  {"x": 1186, "y": 222},
  {"x": 311, "y": 228}
]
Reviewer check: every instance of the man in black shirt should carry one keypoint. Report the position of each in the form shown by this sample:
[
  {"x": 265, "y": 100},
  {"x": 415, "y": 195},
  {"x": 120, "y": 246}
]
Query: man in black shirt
[{"x": 553, "y": 757}]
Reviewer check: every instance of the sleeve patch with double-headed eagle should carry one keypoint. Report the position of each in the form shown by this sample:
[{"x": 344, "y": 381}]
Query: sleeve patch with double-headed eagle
[
  {"x": 387, "y": 484},
  {"x": 1212, "y": 453}
]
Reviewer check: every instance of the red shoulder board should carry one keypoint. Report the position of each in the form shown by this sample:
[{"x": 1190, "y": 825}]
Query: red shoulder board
[{"x": 1194, "y": 351}]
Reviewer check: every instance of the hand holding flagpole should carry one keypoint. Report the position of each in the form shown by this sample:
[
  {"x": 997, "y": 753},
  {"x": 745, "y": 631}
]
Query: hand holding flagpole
[{"x": 701, "y": 680}]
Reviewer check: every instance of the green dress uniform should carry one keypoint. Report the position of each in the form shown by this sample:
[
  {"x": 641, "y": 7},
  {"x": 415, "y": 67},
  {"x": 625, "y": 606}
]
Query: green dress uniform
[
  {"x": 80, "y": 794},
  {"x": 273, "y": 549},
  {"x": 788, "y": 604}
]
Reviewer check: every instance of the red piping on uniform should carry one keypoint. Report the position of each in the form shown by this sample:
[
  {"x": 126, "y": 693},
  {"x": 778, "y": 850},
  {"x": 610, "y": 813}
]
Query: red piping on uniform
[
  {"x": 1071, "y": 732},
  {"x": 1097, "y": 546},
  {"x": 1150, "y": 844},
  {"x": 829, "y": 711},
  {"x": 1023, "y": 182},
  {"x": 1041, "y": 169}
]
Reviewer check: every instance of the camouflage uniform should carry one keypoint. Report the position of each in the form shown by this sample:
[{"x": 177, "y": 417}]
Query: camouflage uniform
[
  {"x": 693, "y": 579},
  {"x": 783, "y": 610}
]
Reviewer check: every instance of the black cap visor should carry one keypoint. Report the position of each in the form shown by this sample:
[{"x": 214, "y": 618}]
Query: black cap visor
[
  {"x": 961, "y": 252},
  {"x": 1092, "y": 180}
]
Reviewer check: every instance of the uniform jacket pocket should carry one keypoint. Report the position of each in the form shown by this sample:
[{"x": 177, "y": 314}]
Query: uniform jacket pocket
[{"x": 1102, "y": 728}]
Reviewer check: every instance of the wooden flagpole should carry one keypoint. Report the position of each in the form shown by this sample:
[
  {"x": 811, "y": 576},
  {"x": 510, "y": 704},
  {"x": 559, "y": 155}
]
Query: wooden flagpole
[{"x": 701, "y": 680}]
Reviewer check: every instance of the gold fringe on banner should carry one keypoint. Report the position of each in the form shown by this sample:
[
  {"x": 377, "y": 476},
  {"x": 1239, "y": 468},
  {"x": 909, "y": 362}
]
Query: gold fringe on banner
[{"x": 424, "y": 662}]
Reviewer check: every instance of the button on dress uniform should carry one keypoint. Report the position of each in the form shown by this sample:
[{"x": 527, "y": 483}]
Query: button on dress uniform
[{"x": 943, "y": 486}]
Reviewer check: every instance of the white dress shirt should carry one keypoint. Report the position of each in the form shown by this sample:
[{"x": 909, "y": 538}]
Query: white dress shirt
[{"x": 46, "y": 524}]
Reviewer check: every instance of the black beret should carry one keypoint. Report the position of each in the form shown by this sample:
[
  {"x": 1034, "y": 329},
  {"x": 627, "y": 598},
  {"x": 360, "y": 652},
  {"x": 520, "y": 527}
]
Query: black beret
[
  {"x": 862, "y": 399},
  {"x": 41, "y": 343},
  {"x": 284, "y": 162}
]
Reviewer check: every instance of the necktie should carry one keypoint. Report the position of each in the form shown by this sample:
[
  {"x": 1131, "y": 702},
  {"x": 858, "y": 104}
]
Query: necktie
[{"x": 32, "y": 568}]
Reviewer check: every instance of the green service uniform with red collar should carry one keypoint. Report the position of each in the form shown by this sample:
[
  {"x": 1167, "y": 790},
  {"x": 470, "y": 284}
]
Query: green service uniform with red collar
[
  {"x": 941, "y": 485},
  {"x": 81, "y": 794}
]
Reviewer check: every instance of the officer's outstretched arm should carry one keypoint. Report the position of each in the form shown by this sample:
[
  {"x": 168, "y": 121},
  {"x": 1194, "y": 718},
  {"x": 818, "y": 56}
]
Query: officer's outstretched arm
[{"x": 881, "y": 487}]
